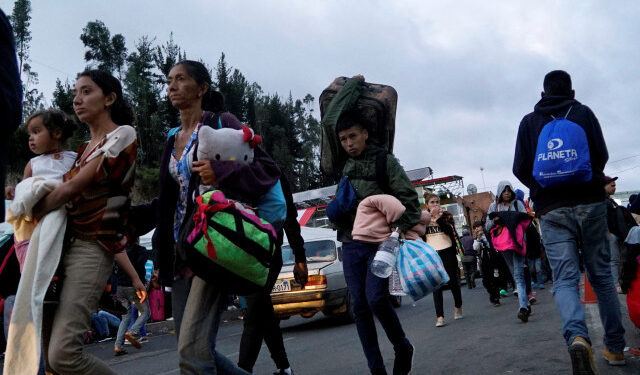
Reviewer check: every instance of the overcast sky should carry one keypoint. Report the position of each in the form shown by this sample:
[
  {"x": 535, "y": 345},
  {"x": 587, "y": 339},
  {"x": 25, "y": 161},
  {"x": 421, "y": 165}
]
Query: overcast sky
[{"x": 466, "y": 72}]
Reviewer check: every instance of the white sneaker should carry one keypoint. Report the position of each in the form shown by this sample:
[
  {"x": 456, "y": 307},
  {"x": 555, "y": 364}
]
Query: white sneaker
[
  {"x": 440, "y": 322},
  {"x": 457, "y": 314}
]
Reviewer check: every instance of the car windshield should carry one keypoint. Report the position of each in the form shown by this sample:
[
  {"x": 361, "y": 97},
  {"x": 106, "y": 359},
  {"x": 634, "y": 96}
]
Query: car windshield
[{"x": 317, "y": 251}]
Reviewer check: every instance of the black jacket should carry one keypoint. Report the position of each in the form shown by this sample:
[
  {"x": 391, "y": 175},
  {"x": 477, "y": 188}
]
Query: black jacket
[
  {"x": 138, "y": 255},
  {"x": 10, "y": 95},
  {"x": 568, "y": 195},
  {"x": 291, "y": 225}
]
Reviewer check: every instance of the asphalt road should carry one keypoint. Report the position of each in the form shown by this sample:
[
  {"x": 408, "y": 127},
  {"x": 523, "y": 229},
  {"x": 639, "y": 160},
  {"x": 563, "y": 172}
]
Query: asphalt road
[{"x": 489, "y": 340}]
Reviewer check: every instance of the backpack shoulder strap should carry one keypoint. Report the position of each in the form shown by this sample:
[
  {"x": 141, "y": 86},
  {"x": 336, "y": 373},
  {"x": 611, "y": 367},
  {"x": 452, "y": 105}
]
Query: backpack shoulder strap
[
  {"x": 381, "y": 172},
  {"x": 173, "y": 131},
  {"x": 565, "y": 116}
]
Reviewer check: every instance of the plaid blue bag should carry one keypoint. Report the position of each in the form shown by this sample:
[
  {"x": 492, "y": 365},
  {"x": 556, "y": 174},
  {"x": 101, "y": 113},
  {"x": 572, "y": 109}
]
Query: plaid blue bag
[{"x": 420, "y": 267}]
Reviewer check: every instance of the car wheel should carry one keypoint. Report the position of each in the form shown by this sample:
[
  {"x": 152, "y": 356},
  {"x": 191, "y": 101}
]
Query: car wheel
[
  {"x": 348, "y": 316},
  {"x": 396, "y": 301}
]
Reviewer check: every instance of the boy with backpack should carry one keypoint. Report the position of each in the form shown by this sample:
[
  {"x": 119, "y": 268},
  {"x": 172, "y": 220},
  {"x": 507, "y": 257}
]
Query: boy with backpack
[
  {"x": 560, "y": 156},
  {"x": 371, "y": 170}
]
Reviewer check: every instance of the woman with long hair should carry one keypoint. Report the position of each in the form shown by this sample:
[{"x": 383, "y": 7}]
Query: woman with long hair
[
  {"x": 197, "y": 304},
  {"x": 96, "y": 192},
  {"x": 441, "y": 235}
]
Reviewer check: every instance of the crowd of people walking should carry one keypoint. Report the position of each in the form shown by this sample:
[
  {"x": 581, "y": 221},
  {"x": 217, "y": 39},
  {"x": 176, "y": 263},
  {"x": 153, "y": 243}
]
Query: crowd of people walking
[{"x": 82, "y": 207}]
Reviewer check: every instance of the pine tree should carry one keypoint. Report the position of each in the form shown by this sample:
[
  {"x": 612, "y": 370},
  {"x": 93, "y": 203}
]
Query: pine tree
[
  {"x": 21, "y": 20},
  {"x": 144, "y": 95},
  {"x": 165, "y": 57},
  {"x": 104, "y": 52},
  {"x": 33, "y": 100}
]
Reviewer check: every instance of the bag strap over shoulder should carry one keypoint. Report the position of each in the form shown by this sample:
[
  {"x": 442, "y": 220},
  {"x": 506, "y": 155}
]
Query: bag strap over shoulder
[
  {"x": 565, "y": 116},
  {"x": 381, "y": 172}
]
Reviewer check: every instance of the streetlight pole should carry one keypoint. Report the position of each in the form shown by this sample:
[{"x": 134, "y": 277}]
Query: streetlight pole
[{"x": 484, "y": 186}]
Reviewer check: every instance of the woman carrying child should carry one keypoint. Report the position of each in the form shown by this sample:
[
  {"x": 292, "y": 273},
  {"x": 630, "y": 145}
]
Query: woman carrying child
[{"x": 96, "y": 191}]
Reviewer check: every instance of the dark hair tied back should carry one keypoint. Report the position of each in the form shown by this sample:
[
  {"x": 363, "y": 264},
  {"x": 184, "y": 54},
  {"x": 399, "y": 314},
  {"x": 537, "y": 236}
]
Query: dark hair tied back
[
  {"x": 212, "y": 101},
  {"x": 121, "y": 111}
]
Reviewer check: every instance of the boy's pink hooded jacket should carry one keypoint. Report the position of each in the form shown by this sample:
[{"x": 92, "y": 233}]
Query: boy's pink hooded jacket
[{"x": 374, "y": 215}]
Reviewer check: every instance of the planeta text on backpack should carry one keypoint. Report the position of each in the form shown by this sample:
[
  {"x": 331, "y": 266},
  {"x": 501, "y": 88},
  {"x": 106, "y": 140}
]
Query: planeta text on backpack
[{"x": 562, "y": 154}]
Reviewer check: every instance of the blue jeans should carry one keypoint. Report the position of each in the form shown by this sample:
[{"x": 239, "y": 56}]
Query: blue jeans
[
  {"x": 198, "y": 307},
  {"x": 537, "y": 266},
  {"x": 369, "y": 296},
  {"x": 614, "y": 249},
  {"x": 563, "y": 230},
  {"x": 127, "y": 296},
  {"x": 134, "y": 317},
  {"x": 102, "y": 320},
  {"x": 515, "y": 262}
]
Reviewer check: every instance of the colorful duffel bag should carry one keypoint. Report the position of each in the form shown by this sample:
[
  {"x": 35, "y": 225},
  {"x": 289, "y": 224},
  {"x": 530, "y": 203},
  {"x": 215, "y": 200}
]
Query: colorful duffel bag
[
  {"x": 228, "y": 244},
  {"x": 421, "y": 269}
]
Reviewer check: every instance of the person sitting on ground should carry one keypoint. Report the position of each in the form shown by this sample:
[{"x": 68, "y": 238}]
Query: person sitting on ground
[{"x": 105, "y": 324}]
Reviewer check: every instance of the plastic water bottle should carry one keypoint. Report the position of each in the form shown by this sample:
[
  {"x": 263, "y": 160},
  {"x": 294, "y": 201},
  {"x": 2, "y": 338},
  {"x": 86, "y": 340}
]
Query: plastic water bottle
[
  {"x": 385, "y": 259},
  {"x": 395, "y": 285}
]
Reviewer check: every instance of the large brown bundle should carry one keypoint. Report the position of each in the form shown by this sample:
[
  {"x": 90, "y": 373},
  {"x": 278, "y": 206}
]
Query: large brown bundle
[{"x": 376, "y": 104}]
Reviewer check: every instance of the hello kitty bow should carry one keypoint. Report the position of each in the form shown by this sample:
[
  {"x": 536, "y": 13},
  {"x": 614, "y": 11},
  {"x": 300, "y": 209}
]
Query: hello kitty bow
[{"x": 250, "y": 137}]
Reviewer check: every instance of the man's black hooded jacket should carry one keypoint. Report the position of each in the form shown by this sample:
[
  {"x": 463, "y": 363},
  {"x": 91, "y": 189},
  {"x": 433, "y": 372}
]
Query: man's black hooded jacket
[{"x": 531, "y": 125}]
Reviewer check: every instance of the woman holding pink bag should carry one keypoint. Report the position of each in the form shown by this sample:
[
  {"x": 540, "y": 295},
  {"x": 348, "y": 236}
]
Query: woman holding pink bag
[{"x": 506, "y": 201}]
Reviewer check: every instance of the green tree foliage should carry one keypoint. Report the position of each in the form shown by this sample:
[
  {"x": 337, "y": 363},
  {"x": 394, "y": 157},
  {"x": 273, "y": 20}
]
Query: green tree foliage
[
  {"x": 104, "y": 52},
  {"x": 63, "y": 97},
  {"x": 165, "y": 57},
  {"x": 33, "y": 100},
  {"x": 63, "y": 100},
  {"x": 144, "y": 95},
  {"x": 21, "y": 20},
  {"x": 290, "y": 130}
]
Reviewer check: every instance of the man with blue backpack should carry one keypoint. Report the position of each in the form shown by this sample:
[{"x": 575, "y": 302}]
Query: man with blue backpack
[{"x": 560, "y": 156}]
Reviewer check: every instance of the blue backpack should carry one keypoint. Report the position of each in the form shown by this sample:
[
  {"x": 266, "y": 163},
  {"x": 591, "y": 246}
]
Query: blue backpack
[
  {"x": 344, "y": 202},
  {"x": 562, "y": 155}
]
